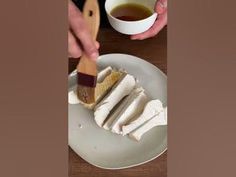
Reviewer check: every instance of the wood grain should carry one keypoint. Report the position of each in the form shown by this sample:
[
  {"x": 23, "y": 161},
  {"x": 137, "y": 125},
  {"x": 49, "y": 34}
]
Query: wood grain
[
  {"x": 153, "y": 50},
  {"x": 91, "y": 16},
  {"x": 80, "y": 168}
]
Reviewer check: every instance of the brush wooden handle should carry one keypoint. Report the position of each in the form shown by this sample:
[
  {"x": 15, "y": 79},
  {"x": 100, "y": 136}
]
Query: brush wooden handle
[{"x": 91, "y": 15}]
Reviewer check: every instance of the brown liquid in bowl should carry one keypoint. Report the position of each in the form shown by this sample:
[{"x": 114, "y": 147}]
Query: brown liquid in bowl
[{"x": 131, "y": 12}]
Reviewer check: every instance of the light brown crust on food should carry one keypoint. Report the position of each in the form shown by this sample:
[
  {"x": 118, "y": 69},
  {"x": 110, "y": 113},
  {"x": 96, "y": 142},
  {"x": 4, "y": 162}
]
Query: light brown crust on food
[{"x": 104, "y": 87}]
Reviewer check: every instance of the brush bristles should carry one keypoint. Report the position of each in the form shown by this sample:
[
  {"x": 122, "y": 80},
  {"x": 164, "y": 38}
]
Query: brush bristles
[{"x": 86, "y": 94}]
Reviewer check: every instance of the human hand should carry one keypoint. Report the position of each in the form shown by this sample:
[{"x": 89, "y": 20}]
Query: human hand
[
  {"x": 161, "y": 10},
  {"x": 79, "y": 38}
]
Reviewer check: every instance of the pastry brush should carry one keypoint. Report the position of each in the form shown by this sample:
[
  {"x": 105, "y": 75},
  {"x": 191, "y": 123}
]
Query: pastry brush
[{"x": 87, "y": 68}]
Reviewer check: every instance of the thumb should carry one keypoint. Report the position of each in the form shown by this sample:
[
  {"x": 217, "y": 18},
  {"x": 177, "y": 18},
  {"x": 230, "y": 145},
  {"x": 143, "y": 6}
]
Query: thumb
[{"x": 161, "y": 6}]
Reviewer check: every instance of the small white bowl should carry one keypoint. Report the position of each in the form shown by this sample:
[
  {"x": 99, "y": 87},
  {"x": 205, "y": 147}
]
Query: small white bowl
[{"x": 131, "y": 27}]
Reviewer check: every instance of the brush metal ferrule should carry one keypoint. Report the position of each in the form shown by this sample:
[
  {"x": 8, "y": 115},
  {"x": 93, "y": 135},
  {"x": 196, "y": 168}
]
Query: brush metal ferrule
[{"x": 86, "y": 80}]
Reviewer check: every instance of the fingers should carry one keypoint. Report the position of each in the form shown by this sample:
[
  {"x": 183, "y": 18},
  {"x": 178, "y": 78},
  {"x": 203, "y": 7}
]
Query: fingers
[
  {"x": 161, "y": 9},
  {"x": 74, "y": 50},
  {"x": 161, "y": 6},
  {"x": 97, "y": 44},
  {"x": 156, "y": 28},
  {"x": 78, "y": 25}
]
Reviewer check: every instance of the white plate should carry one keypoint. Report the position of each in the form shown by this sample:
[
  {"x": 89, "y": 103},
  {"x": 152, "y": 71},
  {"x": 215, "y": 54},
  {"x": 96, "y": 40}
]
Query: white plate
[{"x": 104, "y": 149}]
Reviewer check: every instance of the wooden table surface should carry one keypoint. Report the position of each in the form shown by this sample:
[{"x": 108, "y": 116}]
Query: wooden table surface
[{"x": 153, "y": 50}]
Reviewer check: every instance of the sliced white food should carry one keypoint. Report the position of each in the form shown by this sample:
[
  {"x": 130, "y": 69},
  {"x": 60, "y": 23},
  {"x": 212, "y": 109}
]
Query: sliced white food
[
  {"x": 152, "y": 108},
  {"x": 72, "y": 97},
  {"x": 158, "y": 120},
  {"x": 103, "y": 74},
  {"x": 132, "y": 107},
  {"x": 110, "y": 120},
  {"x": 119, "y": 91}
]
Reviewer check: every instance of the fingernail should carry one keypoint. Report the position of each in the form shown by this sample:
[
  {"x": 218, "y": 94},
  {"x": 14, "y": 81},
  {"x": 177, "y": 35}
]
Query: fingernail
[
  {"x": 94, "y": 55},
  {"x": 163, "y": 3},
  {"x": 161, "y": 6}
]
